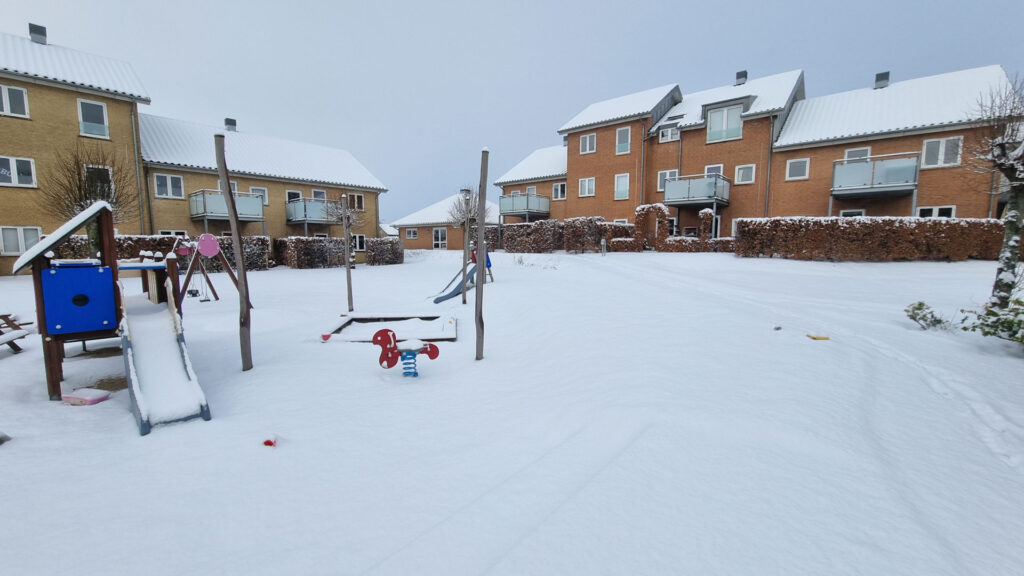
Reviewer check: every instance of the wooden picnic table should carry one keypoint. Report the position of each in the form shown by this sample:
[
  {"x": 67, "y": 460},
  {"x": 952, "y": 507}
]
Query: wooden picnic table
[{"x": 11, "y": 330}]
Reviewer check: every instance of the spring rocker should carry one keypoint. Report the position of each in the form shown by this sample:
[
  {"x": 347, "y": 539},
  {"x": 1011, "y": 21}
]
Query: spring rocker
[{"x": 391, "y": 351}]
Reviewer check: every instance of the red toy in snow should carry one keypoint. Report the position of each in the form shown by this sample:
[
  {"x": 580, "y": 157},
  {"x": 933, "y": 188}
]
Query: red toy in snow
[{"x": 391, "y": 351}]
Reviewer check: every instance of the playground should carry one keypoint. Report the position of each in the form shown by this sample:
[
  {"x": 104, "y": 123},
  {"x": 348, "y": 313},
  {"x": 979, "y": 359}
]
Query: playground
[{"x": 633, "y": 414}]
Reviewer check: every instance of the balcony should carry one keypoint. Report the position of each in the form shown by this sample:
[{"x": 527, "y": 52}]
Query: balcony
[
  {"x": 528, "y": 205},
  {"x": 211, "y": 205},
  {"x": 875, "y": 176},
  {"x": 697, "y": 189},
  {"x": 304, "y": 210}
]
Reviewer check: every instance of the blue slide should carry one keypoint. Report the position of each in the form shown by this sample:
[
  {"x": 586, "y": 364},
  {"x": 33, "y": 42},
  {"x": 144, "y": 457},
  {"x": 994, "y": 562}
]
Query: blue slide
[{"x": 458, "y": 287}]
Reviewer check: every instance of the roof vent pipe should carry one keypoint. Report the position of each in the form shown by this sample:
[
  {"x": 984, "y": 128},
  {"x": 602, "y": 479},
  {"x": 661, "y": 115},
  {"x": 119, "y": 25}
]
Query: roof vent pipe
[
  {"x": 230, "y": 125},
  {"x": 741, "y": 77},
  {"x": 37, "y": 33},
  {"x": 881, "y": 80}
]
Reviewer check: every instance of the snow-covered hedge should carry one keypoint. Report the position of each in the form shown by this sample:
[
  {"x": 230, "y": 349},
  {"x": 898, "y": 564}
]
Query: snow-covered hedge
[
  {"x": 585, "y": 233},
  {"x": 381, "y": 251},
  {"x": 306, "y": 252},
  {"x": 880, "y": 239},
  {"x": 533, "y": 237},
  {"x": 256, "y": 249}
]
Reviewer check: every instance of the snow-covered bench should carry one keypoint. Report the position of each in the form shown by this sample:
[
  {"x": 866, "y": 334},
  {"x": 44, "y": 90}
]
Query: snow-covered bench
[{"x": 10, "y": 331}]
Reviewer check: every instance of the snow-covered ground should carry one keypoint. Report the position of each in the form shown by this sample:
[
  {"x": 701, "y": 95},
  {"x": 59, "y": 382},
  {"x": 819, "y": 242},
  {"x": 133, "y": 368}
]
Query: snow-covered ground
[{"x": 633, "y": 414}]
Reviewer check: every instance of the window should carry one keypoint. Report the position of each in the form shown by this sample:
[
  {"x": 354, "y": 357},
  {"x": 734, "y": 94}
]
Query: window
[
  {"x": 321, "y": 235},
  {"x": 440, "y": 238},
  {"x": 92, "y": 119},
  {"x": 172, "y": 233},
  {"x": 226, "y": 233},
  {"x": 710, "y": 169},
  {"x": 622, "y": 140},
  {"x": 359, "y": 242},
  {"x": 664, "y": 176},
  {"x": 673, "y": 226},
  {"x": 293, "y": 195},
  {"x": 233, "y": 185},
  {"x": 168, "y": 186},
  {"x": 412, "y": 233},
  {"x": 857, "y": 154},
  {"x": 586, "y": 187},
  {"x": 531, "y": 190},
  {"x": 261, "y": 192},
  {"x": 725, "y": 124},
  {"x": 936, "y": 212},
  {"x": 942, "y": 152},
  {"x": 558, "y": 191},
  {"x": 622, "y": 186},
  {"x": 16, "y": 239},
  {"x": 13, "y": 101},
  {"x": 851, "y": 213},
  {"x": 798, "y": 168},
  {"x": 668, "y": 135},
  {"x": 99, "y": 182},
  {"x": 320, "y": 195},
  {"x": 355, "y": 202},
  {"x": 744, "y": 174},
  {"x": 620, "y": 221},
  {"x": 588, "y": 143},
  {"x": 17, "y": 171}
]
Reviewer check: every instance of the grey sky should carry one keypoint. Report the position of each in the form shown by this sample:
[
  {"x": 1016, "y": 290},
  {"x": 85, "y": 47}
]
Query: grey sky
[{"x": 415, "y": 89}]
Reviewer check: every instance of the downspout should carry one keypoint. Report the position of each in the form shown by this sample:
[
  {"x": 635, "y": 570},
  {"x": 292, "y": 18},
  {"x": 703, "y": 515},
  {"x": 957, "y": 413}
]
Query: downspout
[
  {"x": 768, "y": 171},
  {"x": 993, "y": 194},
  {"x": 643, "y": 145},
  {"x": 138, "y": 176}
]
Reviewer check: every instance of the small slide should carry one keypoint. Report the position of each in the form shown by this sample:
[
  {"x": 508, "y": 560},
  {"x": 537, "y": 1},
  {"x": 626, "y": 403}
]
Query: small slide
[
  {"x": 458, "y": 287},
  {"x": 160, "y": 378}
]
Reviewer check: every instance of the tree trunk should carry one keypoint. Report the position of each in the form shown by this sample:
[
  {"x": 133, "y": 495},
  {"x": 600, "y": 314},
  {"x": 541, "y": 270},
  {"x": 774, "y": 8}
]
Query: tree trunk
[
  {"x": 92, "y": 232},
  {"x": 244, "y": 334},
  {"x": 348, "y": 253},
  {"x": 1009, "y": 256}
]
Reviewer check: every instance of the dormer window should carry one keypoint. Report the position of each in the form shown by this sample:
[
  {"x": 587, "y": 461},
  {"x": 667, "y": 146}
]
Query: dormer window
[
  {"x": 668, "y": 135},
  {"x": 725, "y": 124}
]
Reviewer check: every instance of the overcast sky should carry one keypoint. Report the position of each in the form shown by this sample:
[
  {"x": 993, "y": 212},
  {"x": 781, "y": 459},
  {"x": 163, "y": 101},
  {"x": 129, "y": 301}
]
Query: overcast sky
[{"x": 414, "y": 90}]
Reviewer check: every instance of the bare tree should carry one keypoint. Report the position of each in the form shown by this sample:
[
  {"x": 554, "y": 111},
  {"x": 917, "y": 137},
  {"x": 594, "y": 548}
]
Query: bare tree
[
  {"x": 86, "y": 174},
  {"x": 345, "y": 214},
  {"x": 1001, "y": 150},
  {"x": 461, "y": 213}
]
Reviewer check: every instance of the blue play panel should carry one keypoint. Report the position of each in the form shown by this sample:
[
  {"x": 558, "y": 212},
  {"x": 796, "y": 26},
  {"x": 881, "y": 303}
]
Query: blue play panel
[{"x": 79, "y": 299}]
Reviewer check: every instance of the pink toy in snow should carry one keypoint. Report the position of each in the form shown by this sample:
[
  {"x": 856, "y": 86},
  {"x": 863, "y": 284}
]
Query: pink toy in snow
[{"x": 391, "y": 351}]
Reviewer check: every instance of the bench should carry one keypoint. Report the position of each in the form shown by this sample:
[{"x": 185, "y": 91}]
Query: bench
[{"x": 11, "y": 330}]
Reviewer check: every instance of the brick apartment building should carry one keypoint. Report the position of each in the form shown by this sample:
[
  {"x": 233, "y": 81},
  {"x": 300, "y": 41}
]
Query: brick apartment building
[{"x": 431, "y": 228}]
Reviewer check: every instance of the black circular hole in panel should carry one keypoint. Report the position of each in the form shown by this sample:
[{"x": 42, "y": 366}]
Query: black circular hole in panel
[{"x": 79, "y": 299}]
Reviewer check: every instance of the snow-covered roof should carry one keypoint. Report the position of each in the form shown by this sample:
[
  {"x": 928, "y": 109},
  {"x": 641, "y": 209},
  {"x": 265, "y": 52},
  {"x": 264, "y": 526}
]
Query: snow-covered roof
[
  {"x": 921, "y": 103},
  {"x": 179, "y": 143},
  {"x": 767, "y": 94},
  {"x": 541, "y": 164},
  {"x": 389, "y": 230},
  {"x": 67, "y": 229},
  {"x": 629, "y": 106},
  {"x": 23, "y": 57},
  {"x": 437, "y": 213}
]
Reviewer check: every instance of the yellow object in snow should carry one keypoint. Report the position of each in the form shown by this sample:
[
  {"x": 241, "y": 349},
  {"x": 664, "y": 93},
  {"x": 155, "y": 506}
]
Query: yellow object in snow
[{"x": 817, "y": 337}]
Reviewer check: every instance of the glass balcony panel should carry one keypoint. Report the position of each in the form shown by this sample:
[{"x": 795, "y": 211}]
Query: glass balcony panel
[{"x": 94, "y": 129}]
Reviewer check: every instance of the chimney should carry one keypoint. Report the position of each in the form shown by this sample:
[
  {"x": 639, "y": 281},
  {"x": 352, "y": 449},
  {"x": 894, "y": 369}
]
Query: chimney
[
  {"x": 881, "y": 80},
  {"x": 741, "y": 77},
  {"x": 37, "y": 33},
  {"x": 230, "y": 125}
]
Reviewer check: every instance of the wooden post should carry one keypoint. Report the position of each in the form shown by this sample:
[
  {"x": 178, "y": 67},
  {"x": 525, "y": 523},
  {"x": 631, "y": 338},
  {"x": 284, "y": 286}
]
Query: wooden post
[
  {"x": 481, "y": 252},
  {"x": 346, "y": 217},
  {"x": 466, "y": 197},
  {"x": 244, "y": 335}
]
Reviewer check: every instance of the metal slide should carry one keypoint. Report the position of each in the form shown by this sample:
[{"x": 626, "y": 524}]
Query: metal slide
[
  {"x": 458, "y": 286},
  {"x": 162, "y": 384}
]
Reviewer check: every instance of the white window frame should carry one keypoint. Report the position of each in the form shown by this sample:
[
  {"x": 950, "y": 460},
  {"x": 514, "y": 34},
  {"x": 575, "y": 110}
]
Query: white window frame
[
  {"x": 853, "y": 213},
  {"x": 516, "y": 193},
  {"x": 620, "y": 193},
  {"x": 724, "y": 123},
  {"x": 437, "y": 243},
  {"x": 718, "y": 169},
  {"x": 21, "y": 247},
  {"x": 321, "y": 235},
  {"x": 266, "y": 193},
  {"x": 356, "y": 201},
  {"x": 412, "y": 233},
  {"x": 106, "y": 119},
  {"x": 664, "y": 176},
  {"x": 807, "y": 168},
  {"x": 753, "y": 174},
  {"x": 591, "y": 141},
  {"x": 670, "y": 134},
  {"x": 935, "y": 211},
  {"x": 172, "y": 232},
  {"x": 558, "y": 191},
  {"x": 5, "y": 100},
  {"x": 233, "y": 184},
  {"x": 620, "y": 146},
  {"x": 620, "y": 221},
  {"x": 850, "y": 159},
  {"x": 590, "y": 185},
  {"x": 319, "y": 195},
  {"x": 14, "y": 172},
  {"x": 531, "y": 190},
  {"x": 942, "y": 152},
  {"x": 288, "y": 195},
  {"x": 673, "y": 226},
  {"x": 169, "y": 195},
  {"x": 359, "y": 242},
  {"x": 110, "y": 174}
]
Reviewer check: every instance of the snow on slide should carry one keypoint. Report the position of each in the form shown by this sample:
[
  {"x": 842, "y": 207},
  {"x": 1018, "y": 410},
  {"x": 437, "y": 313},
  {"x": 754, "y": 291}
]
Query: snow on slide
[{"x": 163, "y": 386}]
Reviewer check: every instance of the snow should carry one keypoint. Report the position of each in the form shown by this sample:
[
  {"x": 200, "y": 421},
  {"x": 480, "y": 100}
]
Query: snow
[
  {"x": 188, "y": 144},
  {"x": 438, "y": 213},
  {"x": 67, "y": 229},
  {"x": 633, "y": 414},
  {"x": 929, "y": 102},
  {"x": 622, "y": 107},
  {"x": 771, "y": 93},
  {"x": 542, "y": 164}
]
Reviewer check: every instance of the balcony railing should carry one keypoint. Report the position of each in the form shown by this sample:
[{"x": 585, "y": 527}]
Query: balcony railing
[
  {"x": 522, "y": 205},
  {"x": 697, "y": 189},
  {"x": 885, "y": 175},
  {"x": 307, "y": 210},
  {"x": 211, "y": 205}
]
